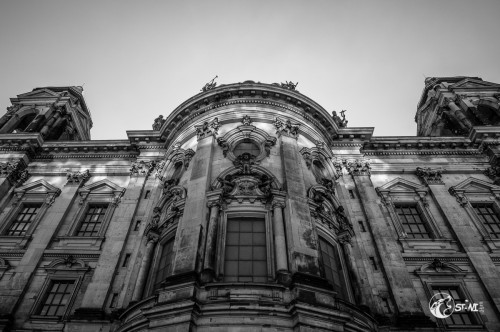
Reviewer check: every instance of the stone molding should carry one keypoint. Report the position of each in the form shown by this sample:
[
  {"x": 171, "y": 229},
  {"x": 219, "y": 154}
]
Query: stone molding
[{"x": 77, "y": 177}]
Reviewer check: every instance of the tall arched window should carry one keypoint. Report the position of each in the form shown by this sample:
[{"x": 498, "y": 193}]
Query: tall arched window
[
  {"x": 332, "y": 266},
  {"x": 164, "y": 263},
  {"x": 24, "y": 123}
]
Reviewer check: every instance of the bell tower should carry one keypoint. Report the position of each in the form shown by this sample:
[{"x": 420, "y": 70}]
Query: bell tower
[
  {"x": 57, "y": 113},
  {"x": 451, "y": 106}
]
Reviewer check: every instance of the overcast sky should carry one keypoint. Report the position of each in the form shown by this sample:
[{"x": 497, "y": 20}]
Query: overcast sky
[{"x": 139, "y": 59}]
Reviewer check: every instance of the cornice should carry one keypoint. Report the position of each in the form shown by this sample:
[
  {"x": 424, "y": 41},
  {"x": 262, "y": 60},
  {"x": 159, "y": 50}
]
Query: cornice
[{"x": 249, "y": 93}]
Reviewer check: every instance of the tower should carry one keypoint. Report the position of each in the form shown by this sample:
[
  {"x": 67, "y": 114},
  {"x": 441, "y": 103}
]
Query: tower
[{"x": 57, "y": 113}]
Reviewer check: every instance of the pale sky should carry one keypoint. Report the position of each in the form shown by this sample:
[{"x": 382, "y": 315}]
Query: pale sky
[{"x": 139, "y": 59}]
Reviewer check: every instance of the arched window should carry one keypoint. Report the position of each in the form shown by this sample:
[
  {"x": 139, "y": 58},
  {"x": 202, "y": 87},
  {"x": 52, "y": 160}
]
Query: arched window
[
  {"x": 332, "y": 266},
  {"x": 24, "y": 123},
  {"x": 246, "y": 146},
  {"x": 164, "y": 263}
]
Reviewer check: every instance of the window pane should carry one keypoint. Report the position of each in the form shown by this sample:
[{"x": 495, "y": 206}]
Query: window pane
[
  {"x": 92, "y": 221},
  {"x": 57, "y": 298},
  {"x": 23, "y": 220},
  {"x": 489, "y": 218},
  {"x": 246, "y": 254}
]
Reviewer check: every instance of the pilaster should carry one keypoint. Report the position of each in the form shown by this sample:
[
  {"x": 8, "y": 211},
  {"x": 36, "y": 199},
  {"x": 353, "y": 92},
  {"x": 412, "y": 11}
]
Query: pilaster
[
  {"x": 300, "y": 233},
  {"x": 394, "y": 267},
  {"x": 192, "y": 226}
]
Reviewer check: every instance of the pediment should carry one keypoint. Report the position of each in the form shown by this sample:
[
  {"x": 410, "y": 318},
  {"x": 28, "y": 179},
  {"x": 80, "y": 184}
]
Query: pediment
[
  {"x": 102, "y": 187},
  {"x": 473, "y": 185},
  {"x": 402, "y": 185},
  {"x": 37, "y": 187},
  {"x": 473, "y": 83},
  {"x": 39, "y": 93}
]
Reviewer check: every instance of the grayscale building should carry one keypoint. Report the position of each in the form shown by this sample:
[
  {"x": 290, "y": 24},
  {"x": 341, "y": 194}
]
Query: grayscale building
[{"x": 251, "y": 208}]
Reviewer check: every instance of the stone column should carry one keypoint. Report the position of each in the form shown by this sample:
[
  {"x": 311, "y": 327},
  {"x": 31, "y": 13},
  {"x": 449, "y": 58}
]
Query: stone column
[
  {"x": 208, "y": 272},
  {"x": 467, "y": 234},
  {"x": 393, "y": 265},
  {"x": 94, "y": 299},
  {"x": 188, "y": 257},
  {"x": 301, "y": 236},
  {"x": 142, "y": 278},
  {"x": 283, "y": 274},
  {"x": 48, "y": 125},
  {"x": 10, "y": 124}
]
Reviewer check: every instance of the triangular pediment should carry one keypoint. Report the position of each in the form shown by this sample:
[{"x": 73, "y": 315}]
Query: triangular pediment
[
  {"x": 473, "y": 83},
  {"x": 103, "y": 187},
  {"x": 39, "y": 93},
  {"x": 402, "y": 185},
  {"x": 473, "y": 185},
  {"x": 37, "y": 187}
]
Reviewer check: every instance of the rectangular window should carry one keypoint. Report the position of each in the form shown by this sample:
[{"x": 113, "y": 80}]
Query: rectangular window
[
  {"x": 114, "y": 300},
  {"x": 165, "y": 262},
  {"x": 374, "y": 263},
  {"x": 351, "y": 194},
  {"x": 137, "y": 225},
  {"x": 332, "y": 267},
  {"x": 246, "y": 254},
  {"x": 362, "y": 225},
  {"x": 57, "y": 298},
  {"x": 458, "y": 317},
  {"x": 25, "y": 217},
  {"x": 92, "y": 221},
  {"x": 489, "y": 218},
  {"x": 413, "y": 223},
  {"x": 126, "y": 260}
]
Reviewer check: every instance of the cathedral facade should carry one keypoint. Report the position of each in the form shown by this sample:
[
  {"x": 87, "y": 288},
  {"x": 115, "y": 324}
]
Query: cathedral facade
[{"x": 251, "y": 208}]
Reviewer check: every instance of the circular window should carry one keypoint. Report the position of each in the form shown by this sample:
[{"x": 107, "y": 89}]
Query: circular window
[{"x": 248, "y": 147}]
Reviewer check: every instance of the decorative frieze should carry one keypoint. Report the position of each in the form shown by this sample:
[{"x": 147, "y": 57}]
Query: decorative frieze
[{"x": 429, "y": 175}]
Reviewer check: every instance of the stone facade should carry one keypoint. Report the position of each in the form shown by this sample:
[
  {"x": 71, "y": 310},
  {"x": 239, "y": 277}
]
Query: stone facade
[{"x": 250, "y": 208}]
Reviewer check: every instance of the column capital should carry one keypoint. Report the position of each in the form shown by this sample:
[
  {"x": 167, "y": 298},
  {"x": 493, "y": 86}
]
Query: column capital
[
  {"x": 207, "y": 129},
  {"x": 430, "y": 176},
  {"x": 15, "y": 171},
  {"x": 214, "y": 198},
  {"x": 142, "y": 167},
  {"x": 77, "y": 177},
  {"x": 357, "y": 167},
  {"x": 286, "y": 128}
]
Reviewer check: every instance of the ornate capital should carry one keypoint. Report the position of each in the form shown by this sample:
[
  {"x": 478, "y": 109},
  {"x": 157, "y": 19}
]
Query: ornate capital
[
  {"x": 286, "y": 128},
  {"x": 15, "y": 172},
  {"x": 358, "y": 167},
  {"x": 429, "y": 175},
  {"x": 142, "y": 168},
  {"x": 77, "y": 177},
  {"x": 207, "y": 129}
]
